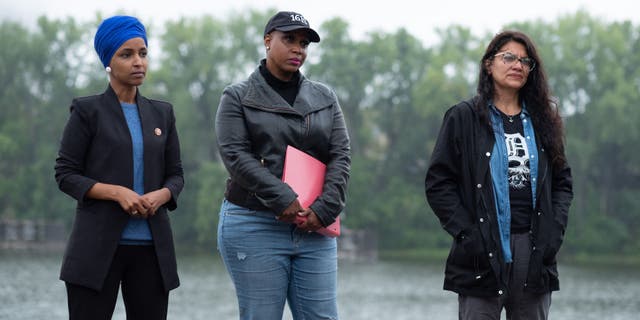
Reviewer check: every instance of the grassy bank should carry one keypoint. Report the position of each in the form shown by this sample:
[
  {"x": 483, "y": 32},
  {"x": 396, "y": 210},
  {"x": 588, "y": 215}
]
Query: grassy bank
[
  {"x": 414, "y": 255},
  {"x": 440, "y": 255},
  {"x": 602, "y": 260}
]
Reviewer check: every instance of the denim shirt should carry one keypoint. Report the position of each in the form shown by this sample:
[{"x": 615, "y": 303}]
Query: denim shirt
[{"x": 499, "y": 165}]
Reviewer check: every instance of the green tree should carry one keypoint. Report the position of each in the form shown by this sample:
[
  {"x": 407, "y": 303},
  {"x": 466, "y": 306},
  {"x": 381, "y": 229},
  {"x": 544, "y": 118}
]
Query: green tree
[
  {"x": 393, "y": 89},
  {"x": 41, "y": 70},
  {"x": 200, "y": 57},
  {"x": 593, "y": 69}
]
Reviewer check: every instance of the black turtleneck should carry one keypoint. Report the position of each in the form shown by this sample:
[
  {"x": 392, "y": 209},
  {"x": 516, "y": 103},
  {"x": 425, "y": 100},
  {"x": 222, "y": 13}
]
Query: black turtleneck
[{"x": 288, "y": 90}]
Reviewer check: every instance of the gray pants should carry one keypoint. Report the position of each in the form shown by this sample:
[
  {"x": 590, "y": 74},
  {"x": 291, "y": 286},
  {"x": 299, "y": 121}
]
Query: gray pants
[{"x": 519, "y": 305}]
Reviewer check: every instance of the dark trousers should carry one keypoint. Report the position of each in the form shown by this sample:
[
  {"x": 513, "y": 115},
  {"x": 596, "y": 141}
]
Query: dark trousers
[
  {"x": 519, "y": 305},
  {"x": 136, "y": 269}
]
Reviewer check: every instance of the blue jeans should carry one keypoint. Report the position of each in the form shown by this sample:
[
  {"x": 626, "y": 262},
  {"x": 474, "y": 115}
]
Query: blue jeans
[{"x": 271, "y": 262}]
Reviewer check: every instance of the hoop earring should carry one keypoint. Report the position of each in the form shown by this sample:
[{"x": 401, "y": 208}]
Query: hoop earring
[{"x": 107, "y": 69}]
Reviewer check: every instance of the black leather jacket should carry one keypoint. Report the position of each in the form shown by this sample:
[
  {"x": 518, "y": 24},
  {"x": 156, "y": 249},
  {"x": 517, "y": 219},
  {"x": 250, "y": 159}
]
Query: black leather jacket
[
  {"x": 254, "y": 125},
  {"x": 459, "y": 190}
]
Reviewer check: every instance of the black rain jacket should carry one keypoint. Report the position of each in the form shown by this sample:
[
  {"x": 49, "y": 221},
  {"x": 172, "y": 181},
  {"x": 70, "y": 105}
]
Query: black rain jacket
[{"x": 459, "y": 190}]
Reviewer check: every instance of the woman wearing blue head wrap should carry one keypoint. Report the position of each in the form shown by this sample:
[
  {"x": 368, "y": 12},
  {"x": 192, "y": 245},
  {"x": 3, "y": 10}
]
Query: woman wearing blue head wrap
[
  {"x": 115, "y": 31},
  {"x": 119, "y": 158}
]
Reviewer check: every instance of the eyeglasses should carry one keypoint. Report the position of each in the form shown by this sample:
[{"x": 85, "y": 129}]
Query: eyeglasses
[{"x": 509, "y": 58}]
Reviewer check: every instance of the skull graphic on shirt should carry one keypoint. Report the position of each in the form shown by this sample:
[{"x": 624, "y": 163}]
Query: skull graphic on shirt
[{"x": 518, "y": 155}]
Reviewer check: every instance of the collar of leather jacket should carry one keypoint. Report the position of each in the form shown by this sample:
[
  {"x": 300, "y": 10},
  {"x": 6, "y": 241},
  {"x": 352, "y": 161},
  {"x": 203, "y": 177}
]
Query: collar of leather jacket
[{"x": 313, "y": 96}]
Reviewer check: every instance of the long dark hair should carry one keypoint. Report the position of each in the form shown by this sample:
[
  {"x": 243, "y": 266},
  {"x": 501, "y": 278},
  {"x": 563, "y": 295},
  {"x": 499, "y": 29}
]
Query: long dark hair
[{"x": 540, "y": 105}]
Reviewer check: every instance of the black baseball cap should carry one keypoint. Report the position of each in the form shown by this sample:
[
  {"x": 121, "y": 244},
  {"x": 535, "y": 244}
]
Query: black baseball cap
[{"x": 288, "y": 21}]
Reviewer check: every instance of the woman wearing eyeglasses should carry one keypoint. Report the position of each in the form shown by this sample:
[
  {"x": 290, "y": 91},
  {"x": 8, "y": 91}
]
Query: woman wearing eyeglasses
[{"x": 500, "y": 184}]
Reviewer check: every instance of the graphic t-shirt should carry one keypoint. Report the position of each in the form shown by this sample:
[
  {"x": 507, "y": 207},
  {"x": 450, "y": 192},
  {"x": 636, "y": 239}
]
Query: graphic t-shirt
[{"x": 519, "y": 173}]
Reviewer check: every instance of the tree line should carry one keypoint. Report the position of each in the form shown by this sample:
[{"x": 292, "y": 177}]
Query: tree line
[{"x": 393, "y": 89}]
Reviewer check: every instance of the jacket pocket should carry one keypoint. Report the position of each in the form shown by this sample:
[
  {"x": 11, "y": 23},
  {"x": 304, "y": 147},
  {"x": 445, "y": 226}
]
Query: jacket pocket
[
  {"x": 471, "y": 241},
  {"x": 468, "y": 253},
  {"x": 467, "y": 271}
]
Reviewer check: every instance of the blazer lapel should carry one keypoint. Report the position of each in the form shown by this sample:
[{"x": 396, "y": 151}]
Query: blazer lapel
[
  {"x": 114, "y": 109},
  {"x": 149, "y": 127}
]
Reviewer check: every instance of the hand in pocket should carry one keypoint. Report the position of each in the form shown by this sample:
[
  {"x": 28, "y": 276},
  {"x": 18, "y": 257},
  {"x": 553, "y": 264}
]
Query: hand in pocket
[{"x": 471, "y": 240}]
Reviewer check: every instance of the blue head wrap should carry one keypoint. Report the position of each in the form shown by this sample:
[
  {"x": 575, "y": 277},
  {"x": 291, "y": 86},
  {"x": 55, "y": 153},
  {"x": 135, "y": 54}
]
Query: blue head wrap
[{"x": 115, "y": 31}]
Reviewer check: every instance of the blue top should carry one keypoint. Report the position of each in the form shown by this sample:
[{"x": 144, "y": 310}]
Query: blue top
[
  {"x": 137, "y": 230},
  {"x": 499, "y": 173}
]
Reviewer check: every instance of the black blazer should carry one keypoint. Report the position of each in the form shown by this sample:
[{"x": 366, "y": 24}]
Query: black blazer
[{"x": 96, "y": 147}]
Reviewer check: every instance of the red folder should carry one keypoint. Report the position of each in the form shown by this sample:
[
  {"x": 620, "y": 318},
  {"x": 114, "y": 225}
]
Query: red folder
[{"x": 305, "y": 175}]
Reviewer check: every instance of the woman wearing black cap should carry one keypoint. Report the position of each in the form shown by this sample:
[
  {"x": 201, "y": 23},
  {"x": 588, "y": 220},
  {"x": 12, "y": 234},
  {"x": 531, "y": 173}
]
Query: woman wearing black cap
[
  {"x": 271, "y": 258},
  {"x": 119, "y": 158}
]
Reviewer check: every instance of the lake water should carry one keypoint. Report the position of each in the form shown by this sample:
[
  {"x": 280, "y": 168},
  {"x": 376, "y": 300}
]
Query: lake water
[{"x": 30, "y": 289}]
